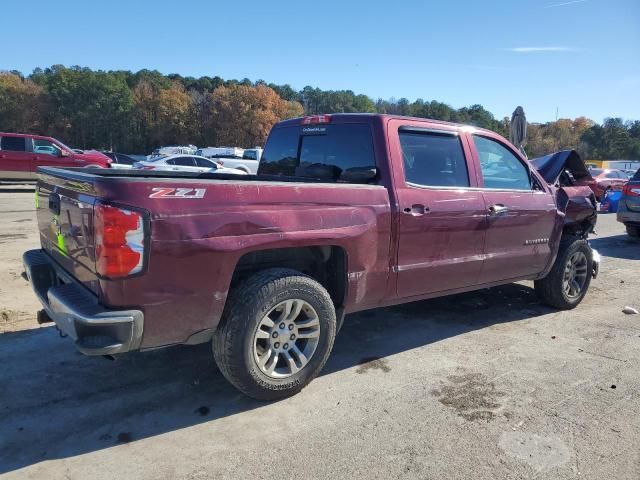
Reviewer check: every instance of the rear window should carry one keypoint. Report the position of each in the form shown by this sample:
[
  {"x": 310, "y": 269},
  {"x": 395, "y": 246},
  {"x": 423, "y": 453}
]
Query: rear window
[
  {"x": 323, "y": 152},
  {"x": 123, "y": 159},
  {"x": 595, "y": 171},
  {"x": 636, "y": 176},
  {"x": 14, "y": 144}
]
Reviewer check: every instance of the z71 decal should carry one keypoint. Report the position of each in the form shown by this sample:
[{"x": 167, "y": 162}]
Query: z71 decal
[{"x": 178, "y": 192}]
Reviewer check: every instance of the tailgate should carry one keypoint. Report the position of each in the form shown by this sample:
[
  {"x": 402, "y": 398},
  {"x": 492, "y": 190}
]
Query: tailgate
[{"x": 65, "y": 213}]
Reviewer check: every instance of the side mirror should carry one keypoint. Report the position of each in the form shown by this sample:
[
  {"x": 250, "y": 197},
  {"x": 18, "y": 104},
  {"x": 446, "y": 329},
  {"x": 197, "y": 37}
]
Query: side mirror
[
  {"x": 64, "y": 153},
  {"x": 358, "y": 175}
]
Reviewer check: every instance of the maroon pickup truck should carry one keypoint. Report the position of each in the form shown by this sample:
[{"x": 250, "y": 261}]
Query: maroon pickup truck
[{"x": 347, "y": 212}]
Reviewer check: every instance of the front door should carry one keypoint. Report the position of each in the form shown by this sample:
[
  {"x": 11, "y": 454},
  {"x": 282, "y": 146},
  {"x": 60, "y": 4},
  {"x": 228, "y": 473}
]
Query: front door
[
  {"x": 442, "y": 218},
  {"x": 48, "y": 154},
  {"x": 521, "y": 213}
]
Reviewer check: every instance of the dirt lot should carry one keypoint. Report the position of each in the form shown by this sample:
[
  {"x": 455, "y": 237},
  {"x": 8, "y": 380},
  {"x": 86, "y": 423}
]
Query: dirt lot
[{"x": 485, "y": 385}]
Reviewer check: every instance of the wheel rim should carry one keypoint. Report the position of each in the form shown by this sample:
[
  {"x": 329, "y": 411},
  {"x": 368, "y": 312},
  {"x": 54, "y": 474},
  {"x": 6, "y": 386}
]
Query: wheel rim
[
  {"x": 286, "y": 338},
  {"x": 575, "y": 275}
]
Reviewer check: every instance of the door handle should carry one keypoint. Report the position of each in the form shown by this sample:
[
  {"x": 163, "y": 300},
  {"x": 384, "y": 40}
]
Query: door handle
[
  {"x": 498, "y": 209},
  {"x": 416, "y": 209}
]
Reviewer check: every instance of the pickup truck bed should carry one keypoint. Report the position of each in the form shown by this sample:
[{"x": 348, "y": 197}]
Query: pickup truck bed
[{"x": 347, "y": 213}]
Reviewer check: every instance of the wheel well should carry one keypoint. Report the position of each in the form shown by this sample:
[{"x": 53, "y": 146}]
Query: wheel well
[
  {"x": 579, "y": 229},
  {"x": 326, "y": 264}
]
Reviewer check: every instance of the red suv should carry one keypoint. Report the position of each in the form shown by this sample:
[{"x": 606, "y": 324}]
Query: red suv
[
  {"x": 608, "y": 179},
  {"x": 21, "y": 154}
]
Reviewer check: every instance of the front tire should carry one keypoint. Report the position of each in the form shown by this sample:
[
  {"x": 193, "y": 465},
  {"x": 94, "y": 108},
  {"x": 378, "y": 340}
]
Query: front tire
[
  {"x": 276, "y": 334},
  {"x": 568, "y": 281}
]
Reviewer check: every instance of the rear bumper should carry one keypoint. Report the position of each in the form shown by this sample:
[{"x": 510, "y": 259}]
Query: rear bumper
[
  {"x": 77, "y": 313},
  {"x": 629, "y": 211}
]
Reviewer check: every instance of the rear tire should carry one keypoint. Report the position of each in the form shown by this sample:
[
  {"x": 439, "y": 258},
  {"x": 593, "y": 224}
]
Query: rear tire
[
  {"x": 568, "y": 281},
  {"x": 633, "y": 230},
  {"x": 246, "y": 345}
]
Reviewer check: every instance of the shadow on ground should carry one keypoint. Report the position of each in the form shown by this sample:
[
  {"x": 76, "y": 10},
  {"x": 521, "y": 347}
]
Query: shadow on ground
[
  {"x": 618, "y": 246},
  {"x": 56, "y": 403}
]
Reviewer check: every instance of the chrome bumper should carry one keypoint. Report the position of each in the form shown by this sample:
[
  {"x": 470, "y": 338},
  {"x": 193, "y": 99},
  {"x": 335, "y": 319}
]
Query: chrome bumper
[{"x": 77, "y": 313}]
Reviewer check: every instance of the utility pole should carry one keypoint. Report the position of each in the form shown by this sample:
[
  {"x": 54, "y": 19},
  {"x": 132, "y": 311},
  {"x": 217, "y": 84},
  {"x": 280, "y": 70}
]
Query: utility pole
[{"x": 556, "y": 114}]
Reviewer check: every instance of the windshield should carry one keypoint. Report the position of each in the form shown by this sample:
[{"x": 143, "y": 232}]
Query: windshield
[{"x": 63, "y": 145}]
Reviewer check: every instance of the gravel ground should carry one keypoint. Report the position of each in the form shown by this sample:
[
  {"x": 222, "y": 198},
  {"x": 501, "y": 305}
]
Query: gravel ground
[{"x": 488, "y": 385}]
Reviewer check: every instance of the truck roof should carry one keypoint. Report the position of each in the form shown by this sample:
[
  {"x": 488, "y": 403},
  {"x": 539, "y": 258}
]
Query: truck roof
[
  {"x": 24, "y": 135},
  {"x": 360, "y": 117}
]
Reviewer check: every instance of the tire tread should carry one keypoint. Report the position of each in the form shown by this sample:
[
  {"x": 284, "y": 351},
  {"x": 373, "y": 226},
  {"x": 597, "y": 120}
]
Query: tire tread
[{"x": 260, "y": 288}]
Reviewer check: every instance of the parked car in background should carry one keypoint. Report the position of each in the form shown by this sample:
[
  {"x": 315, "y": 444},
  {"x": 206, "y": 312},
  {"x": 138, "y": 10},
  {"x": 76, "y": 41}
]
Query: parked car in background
[
  {"x": 348, "y": 212},
  {"x": 608, "y": 179},
  {"x": 629, "y": 206},
  {"x": 248, "y": 163},
  {"x": 120, "y": 160},
  {"x": 21, "y": 154},
  {"x": 246, "y": 160},
  {"x": 173, "y": 150},
  {"x": 253, "y": 153},
  {"x": 228, "y": 152},
  {"x": 185, "y": 163}
]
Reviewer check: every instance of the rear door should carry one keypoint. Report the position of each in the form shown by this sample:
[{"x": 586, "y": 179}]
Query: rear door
[
  {"x": 442, "y": 217},
  {"x": 16, "y": 162},
  {"x": 521, "y": 212}
]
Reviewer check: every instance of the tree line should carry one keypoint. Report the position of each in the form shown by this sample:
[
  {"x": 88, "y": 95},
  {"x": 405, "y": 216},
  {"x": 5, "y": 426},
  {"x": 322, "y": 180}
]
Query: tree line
[{"x": 136, "y": 112}]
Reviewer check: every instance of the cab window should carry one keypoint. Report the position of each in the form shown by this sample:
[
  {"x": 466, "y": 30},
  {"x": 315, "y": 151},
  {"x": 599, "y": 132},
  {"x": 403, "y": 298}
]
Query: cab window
[
  {"x": 501, "y": 169},
  {"x": 13, "y": 144}
]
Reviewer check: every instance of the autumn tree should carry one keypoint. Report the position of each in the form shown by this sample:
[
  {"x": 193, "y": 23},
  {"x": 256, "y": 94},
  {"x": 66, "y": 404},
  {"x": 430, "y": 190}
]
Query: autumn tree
[
  {"x": 243, "y": 115},
  {"x": 163, "y": 115},
  {"x": 23, "y": 105},
  {"x": 136, "y": 112}
]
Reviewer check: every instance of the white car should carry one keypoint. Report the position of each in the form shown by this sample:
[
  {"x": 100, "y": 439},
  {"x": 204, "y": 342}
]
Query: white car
[
  {"x": 234, "y": 157},
  {"x": 185, "y": 163}
]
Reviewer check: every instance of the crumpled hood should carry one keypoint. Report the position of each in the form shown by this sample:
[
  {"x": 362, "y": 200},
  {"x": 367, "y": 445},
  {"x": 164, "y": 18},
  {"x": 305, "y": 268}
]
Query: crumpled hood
[{"x": 552, "y": 165}]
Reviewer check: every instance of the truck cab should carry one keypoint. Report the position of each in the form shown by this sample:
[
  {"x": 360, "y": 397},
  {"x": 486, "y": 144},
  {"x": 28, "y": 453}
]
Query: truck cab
[{"x": 22, "y": 154}]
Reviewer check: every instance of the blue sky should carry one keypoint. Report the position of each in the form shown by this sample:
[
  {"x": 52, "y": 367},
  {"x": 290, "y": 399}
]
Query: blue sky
[{"x": 581, "y": 56}]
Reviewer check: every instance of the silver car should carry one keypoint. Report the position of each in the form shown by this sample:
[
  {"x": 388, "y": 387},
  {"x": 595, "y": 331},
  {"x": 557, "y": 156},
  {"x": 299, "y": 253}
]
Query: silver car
[
  {"x": 185, "y": 163},
  {"x": 629, "y": 206}
]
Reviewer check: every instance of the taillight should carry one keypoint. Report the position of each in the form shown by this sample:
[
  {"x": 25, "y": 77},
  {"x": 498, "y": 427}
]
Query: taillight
[
  {"x": 119, "y": 236},
  {"x": 315, "y": 119},
  {"x": 148, "y": 167},
  {"x": 632, "y": 190}
]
